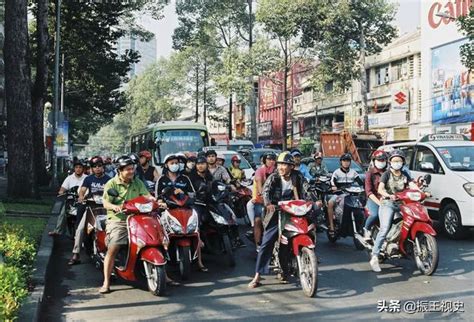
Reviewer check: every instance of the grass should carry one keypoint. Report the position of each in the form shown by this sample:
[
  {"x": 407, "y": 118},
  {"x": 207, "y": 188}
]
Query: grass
[
  {"x": 32, "y": 226},
  {"x": 27, "y": 207}
]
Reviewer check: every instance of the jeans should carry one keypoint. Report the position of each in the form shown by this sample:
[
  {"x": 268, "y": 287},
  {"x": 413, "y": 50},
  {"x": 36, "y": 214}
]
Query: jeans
[
  {"x": 386, "y": 212},
  {"x": 61, "y": 223},
  {"x": 270, "y": 236},
  {"x": 254, "y": 210},
  {"x": 373, "y": 213}
]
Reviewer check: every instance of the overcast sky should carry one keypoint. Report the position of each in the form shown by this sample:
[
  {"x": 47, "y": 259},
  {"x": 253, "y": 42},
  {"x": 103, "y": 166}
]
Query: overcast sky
[{"x": 407, "y": 19}]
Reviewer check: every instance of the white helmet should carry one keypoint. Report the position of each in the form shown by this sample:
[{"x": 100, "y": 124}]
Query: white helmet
[
  {"x": 170, "y": 156},
  {"x": 220, "y": 156}
]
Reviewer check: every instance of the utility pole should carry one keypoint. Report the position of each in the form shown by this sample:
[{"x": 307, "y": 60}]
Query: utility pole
[
  {"x": 285, "y": 98},
  {"x": 56, "y": 92},
  {"x": 230, "y": 117},
  {"x": 363, "y": 81},
  {"x": 204, "y": 93},
  {"x": 196, "y": 117},
  {"x": 252, "y": 98}
]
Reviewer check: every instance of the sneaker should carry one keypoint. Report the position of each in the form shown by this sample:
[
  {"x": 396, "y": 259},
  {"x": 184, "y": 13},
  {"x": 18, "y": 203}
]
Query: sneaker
[
  {"x": 258, "y": 249},
  {"x": 374, "y": 263},
  {"x": 367, "y": 235}
]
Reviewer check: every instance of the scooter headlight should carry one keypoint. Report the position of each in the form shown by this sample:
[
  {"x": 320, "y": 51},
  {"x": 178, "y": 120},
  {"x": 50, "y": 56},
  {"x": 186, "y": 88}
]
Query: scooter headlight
[
  {"x": 414, "y": 196},
  {"x": 218, "y": 219},
  {"x": 174, "y": 225},
  {"x": 144, "y": 207},
  {"x": 192, "y": 223}
]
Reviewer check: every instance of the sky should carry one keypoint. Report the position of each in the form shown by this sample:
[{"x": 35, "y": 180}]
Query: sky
[{"x": 407, "y": 19}]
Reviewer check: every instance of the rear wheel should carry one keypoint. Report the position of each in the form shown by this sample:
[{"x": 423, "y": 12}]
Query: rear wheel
[
  {"x": 332, "y": 238},
  {"x": 185, "y": 262},
  {"x": 308, "y": 271},
  {"x": 358, "y": 245},
  {"x": 452, "y": 224},
  {"x": 228, "y": 250},
  {"x": 156, "y": 278},
  {"x": 428, "y": 257}
]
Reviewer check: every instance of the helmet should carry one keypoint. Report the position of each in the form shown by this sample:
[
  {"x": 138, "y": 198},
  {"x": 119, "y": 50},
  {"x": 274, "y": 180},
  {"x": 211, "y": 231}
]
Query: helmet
[
  {"x": 397, "y": 153},
  {"x": 192, "y": 158},
  {"x": 286, "y": 157},
  {"x": 145, "y": 154},
  {"x": 318, "y": 155},
  {"x": 201, "y": 159},
  {"x": 108, "y": 160},
  {"x": 211, "y": 152},
  {"x": 169, "y": 157},
  {"x": 124, "y": 161},
  {"x": 181, "y": 157},
  {"x": 346, "y": 156},
  {"x": 268, "y": 155},
  {"x": 221, "y": 156},
  {"x": 96, "y": 161},
  {"x": 78, "y": 162},
  {"x": 295, "y": 152},
  {"x": 135, "y": 158},
  {"x": 379, "y": 155},
  {"x": 235, "y": 158},
  {"x": 191, "y": 155}
]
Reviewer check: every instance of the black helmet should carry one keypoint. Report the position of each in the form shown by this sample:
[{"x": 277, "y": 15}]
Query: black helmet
[
  {"x": 124, "y": 161},
  {"x": 96, "y": 161},
  {"x": 286, "y": 157},
  {"x": 268, "y": 155},
  {"x": 211, "y": 152},
  {"x": 294, "y": 152},
  {"x": 397, "y": 153},
  {"x": 192, "y": 158},
  {"x": 201, "y": 159},
  {"x": 78, "y": 162},
  {"x": 346, "y": 156}
]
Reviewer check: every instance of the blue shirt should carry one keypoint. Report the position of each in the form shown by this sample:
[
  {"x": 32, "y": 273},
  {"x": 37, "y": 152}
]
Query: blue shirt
[
  {"x": 305, "y": 171},
  {"x": 94, "y": 184}
]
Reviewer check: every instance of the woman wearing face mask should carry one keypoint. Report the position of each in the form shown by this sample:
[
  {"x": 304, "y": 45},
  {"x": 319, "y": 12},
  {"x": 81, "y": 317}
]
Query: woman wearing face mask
[
  {"x": 392, "y": 181},
  {"x": 182, "y": 160},
  {"x": 191, "y": 163},
  {"x": 372, "y": 180},
  {"x": 172, "y": 177}
]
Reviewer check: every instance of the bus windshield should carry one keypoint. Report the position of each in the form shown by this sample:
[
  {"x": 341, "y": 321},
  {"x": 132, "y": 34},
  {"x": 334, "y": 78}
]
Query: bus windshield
[{"x": 173, "y": 141}]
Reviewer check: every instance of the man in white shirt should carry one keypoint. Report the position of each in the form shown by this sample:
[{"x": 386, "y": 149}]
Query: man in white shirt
[{"x": 73, "y": 180}]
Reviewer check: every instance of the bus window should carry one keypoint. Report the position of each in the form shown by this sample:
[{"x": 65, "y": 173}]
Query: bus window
[{"x": 173, "y": 141}]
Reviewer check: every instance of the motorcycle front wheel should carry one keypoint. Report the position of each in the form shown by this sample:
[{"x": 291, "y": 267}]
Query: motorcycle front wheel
[
  {"x": 228, "y": 250},
  {"x": 308, "y": 271},
  {"x": 184, "y": 262},
  {"x": 156, "y": 278},
  {"x": 427, "y": 260}
]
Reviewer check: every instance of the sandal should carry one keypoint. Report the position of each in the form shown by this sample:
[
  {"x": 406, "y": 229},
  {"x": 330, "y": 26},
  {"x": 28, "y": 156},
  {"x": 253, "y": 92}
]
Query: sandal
[
  {"x": 203, "y": 269},
  {"x": 331, "y": 233},
  {"x": 254, "y": 284},
  {"x": 53, "y": 234},
  {"x": 74, "y": 261},
  {"x": 104, "y": 290}
]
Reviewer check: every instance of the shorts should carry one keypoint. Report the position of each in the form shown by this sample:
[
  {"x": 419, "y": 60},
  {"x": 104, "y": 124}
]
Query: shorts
[
  {"x": 332, "y": 198},
  {"x": 258, "y": 208},
  {"x": 116, "y": 233}
]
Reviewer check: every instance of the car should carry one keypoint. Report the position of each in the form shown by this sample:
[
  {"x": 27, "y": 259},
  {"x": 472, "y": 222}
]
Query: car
[
  {"x": 332, "y": 164},
  {"x": 449, "y": 159},
  {"x": 244, "y": 165},
  {"x": 253, "y": 156},
  {"x": 235, "y": 145}
]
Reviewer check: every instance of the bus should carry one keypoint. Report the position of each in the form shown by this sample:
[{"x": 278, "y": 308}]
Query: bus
[{"x": 170, "y": 137}]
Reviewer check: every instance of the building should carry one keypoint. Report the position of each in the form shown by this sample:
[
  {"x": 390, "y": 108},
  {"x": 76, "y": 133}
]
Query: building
[
  {"x": 447, "y": 86},
  {"x": 147, "y": 50}
]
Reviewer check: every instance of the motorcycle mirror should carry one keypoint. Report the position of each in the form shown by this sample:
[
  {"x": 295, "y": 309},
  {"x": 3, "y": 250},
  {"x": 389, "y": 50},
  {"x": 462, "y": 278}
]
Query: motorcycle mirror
[
  {"x": 167, "y": 191},
  {"x": 427, "y": 178},
  {"x": 113, "y": 193}
]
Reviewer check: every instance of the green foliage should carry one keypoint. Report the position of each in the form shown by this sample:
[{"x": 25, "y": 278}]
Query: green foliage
[
  {"x": 13, "y": 290},
  {"x": 466, "y": 26},
  {"x": 306, "y": 146},
  {"x": 27, "y": 207}
]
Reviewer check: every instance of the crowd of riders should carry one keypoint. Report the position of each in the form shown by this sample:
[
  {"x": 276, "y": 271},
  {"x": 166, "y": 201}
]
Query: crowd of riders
[{"x": 279, "y": 178}]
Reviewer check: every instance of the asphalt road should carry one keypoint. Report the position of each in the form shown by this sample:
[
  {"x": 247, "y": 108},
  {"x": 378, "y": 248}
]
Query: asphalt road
[{"x": 348, "y": 290}]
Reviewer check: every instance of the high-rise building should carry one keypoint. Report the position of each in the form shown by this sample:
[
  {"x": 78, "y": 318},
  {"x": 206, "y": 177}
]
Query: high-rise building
[{"x": 146, "y": 49}]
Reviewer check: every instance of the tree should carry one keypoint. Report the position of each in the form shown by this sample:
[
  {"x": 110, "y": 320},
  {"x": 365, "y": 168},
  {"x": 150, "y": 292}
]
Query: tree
[
  {"x": 466, "y": 26},
  {"x": 343, "y": 32},
  {"x": 21, "y": 172}
]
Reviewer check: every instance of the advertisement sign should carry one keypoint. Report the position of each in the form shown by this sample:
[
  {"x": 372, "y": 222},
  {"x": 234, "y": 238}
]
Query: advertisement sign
[
  {"x": 265, "y": 129},
  {"x": 464, "y": 130},
  {"x": 400, "y": 99},
  {"x": 62, "y": 139},
  {"x": 388, "y": 119},
  {"x": 452, "y": 86}
]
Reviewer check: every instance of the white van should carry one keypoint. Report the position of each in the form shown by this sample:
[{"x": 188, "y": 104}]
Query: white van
[
  {"x": 449, "y": 158},
  {"x": 236, "y": 145}
]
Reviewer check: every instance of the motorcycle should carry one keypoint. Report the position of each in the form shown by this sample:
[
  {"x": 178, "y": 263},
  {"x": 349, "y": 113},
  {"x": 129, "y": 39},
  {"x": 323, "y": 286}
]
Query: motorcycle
[
  {"x": 349, "y": 215},
  {"x": 94, "y": 210},
  {"x": 299, "y": 233},
  {"x": 240, "y": 198},
  {"x": 318, "y": 189},
  {"x": 411, "y": 234},
  {"x": 150, "y": 185},
  {"x": 182, "y": 227},
  {"x": 68, "y": 202},
  {"x": 147, "y": 244},
  {"x": 220, "y": 231}
]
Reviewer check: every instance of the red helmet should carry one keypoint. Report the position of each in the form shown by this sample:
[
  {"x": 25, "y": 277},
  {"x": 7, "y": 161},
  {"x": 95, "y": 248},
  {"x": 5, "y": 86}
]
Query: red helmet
[
  {"x": 379, "y": 155},
  {"x": 235, "y": 158},
  {"x": 145, "y": 154}
]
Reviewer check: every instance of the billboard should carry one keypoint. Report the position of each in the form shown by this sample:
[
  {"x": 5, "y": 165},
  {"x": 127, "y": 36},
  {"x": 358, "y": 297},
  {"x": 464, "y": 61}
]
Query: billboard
[
  {"x": 62, "y": 139},
  {"x": 452, "y": 86}
]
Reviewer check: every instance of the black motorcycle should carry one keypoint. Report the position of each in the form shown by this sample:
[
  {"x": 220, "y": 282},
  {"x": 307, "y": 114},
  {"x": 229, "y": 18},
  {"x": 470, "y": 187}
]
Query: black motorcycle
[
  {"x": 318, "y": 189},
  {"x": 67, "y": 202}
]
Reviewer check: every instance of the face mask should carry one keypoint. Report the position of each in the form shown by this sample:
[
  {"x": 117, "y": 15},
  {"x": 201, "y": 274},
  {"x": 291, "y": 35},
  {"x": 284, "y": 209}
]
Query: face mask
[
  {"x": 380, "y": 164},
  {"x": 174, "y": 168},
  {"x": 396, "y": 165},
  {"x": 181, "y": 166}
]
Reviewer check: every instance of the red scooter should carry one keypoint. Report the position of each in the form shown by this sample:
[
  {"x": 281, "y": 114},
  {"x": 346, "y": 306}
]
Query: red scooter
[
  {"x": 299, "y": 234},
  {"x": 181, "y": 224},
  {"x": 411, "y": 234},
  {"x": 147, "y": 243},
  {"x": 240, "y": 197}
]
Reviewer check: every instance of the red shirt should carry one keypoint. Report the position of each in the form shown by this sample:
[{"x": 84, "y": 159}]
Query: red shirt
[
  {"x": 262, "y": 173},
  {"x": 372, "y": 180}
]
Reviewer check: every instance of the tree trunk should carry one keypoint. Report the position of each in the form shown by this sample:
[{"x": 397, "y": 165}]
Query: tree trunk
[
  {"x": 253, "y": 98},
  {"x": 40, "y": 90},
  {"x": 196, "y": 117},
  {"x": 18, "y": 98},
  {"x": 230, "y": 117},
  {"x": 363, "y": 82},
  {"x": 204, "y": 93},
  {"x": 285, "y": 98}
]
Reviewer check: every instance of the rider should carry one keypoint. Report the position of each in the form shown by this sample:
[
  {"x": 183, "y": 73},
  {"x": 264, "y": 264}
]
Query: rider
[
  {"x": 73, "y": 180},
  {"x": 92, "y": 185},
  {"x": 109, "y": 167},
  {"x": 191, "y": 163},
  {"x": 372, "y": 180},
  {"x": 182, "y": 160},
  {"x": 172, "y": 177},
  {"x": 318, "y": 168},
  {"x": 220, "y": 159},
  {"x": 218, "y": 171},
  {"x": 392, "y": 181},
  {"x": 144, "y": 170},
  {"x": 342, "y": 177},
  {"x": 255, "y": 205},
  {"x": 285, "y": 184},
  {"x": 235, "y": 171},
  {"x": 301, "y": 167}
]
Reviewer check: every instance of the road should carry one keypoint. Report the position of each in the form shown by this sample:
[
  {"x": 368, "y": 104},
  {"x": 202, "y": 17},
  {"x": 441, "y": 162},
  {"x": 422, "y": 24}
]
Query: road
[{"x": 347, "y": 290}]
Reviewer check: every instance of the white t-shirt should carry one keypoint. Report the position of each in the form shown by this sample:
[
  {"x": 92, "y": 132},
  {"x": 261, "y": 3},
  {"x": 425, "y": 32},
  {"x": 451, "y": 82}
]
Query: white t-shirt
[
  {"x": 286, "y": 186},
  {"x": 72, "y": 180}
]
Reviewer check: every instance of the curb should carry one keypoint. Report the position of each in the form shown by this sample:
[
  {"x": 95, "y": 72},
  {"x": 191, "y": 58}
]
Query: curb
[{"x": 31, "y": 307}]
